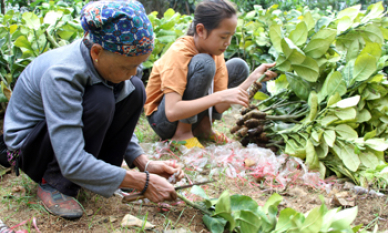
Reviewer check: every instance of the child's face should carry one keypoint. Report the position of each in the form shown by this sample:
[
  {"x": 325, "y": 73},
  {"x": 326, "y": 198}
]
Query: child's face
[{"x": 219, "y": 39}]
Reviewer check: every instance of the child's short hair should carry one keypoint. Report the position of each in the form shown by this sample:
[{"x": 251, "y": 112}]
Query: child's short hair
[{"x": 210, "y": 13}]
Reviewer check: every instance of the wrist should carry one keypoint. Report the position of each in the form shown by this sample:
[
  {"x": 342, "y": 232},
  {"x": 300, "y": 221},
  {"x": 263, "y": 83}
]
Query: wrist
[
  {"x": 141, "y": 161},
  {"x": 134, "y": 180}
]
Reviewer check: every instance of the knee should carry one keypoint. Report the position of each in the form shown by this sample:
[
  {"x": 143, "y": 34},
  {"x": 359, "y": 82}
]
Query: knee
[
  {"x": 238, "y": 71},
  {"x": 98, "y": 101},
  {"x": 203, "y": 62},
  {"x": 239, "y": 65}
]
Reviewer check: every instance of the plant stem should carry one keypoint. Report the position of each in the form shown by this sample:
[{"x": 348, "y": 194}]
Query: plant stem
[
  {"x": 37, "y": 40},
  {"x": 51, "y": 39},
  {"x": 285, "y": 117},
  {"x": 190, "y": 203}
]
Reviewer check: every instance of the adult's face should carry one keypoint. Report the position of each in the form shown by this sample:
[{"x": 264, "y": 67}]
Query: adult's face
[{"x": 114, "y": 67}]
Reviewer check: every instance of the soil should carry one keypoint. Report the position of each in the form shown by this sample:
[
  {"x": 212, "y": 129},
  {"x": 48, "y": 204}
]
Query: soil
[{"x": 20, "y": 203}]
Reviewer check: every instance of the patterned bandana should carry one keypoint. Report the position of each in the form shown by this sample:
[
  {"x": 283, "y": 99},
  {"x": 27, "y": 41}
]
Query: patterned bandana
[{"x": 118, "y": 26}]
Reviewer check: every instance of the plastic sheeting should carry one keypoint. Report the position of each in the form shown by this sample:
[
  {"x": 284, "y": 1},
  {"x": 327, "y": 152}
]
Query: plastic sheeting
[{"x": 277, "y": 171}]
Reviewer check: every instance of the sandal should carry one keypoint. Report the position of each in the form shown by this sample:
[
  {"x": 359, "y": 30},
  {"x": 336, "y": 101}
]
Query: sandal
[{"x": 190, "y": 143}]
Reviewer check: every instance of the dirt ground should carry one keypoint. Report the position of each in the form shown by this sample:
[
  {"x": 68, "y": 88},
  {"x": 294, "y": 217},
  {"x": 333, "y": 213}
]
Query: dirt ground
[{"x": 19, "y": 203}]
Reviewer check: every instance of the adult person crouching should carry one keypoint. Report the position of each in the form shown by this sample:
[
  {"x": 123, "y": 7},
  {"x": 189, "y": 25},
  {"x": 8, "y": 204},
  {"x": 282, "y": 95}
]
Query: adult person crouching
[{"x": 70, "y": 121}]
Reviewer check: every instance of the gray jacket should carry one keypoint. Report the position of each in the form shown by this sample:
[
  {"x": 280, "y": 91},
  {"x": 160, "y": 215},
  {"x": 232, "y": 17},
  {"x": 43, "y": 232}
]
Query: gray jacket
[{"x": 51, "y": 89}]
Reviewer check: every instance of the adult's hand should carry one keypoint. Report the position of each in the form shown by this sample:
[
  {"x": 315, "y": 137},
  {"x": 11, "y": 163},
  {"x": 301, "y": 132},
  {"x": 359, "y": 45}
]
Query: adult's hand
[
  {"x": 166, "y": 169},
  {"x": 159, "y": 189}
]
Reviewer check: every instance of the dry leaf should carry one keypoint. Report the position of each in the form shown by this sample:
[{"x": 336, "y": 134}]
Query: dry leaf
[
  {"x": 130, "y": 220},
  {"x": 344, "y": 199},
  {"x": 249, "y": 163}
]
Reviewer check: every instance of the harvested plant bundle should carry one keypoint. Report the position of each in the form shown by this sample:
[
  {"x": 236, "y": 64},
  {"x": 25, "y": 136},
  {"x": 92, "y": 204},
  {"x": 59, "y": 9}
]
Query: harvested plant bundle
[{"x": 330, "y": 105}]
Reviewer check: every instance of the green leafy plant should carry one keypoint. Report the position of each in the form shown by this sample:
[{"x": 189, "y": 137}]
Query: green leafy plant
[
  {"x": 328, "y": 107},
  {"x": 239, "y": 213}
]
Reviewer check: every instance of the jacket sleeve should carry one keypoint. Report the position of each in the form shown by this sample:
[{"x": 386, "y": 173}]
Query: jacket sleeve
[
  {"x": 62, "y": 90},
  {"x": 133, "y": 151}
]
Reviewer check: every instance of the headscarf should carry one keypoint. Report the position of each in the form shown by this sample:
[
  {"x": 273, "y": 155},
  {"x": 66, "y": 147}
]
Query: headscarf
[{"x": 118, "y": 26}]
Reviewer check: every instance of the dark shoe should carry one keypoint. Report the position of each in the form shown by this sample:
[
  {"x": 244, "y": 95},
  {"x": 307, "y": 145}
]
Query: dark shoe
[{"x": 57, "y": 203}]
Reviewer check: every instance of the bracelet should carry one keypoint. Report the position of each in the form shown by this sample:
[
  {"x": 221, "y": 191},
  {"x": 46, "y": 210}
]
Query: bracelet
[
  {"x": 145, "y": 168},
  {"x": 146, "y": 184}
]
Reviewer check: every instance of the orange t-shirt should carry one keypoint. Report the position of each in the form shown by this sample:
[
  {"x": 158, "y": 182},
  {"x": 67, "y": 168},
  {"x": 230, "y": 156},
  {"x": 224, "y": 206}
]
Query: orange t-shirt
[{"x": 169, "y": 73}]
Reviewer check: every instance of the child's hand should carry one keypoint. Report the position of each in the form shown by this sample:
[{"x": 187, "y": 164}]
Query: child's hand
[
  {"x": 263, "y": 69},
  {"x": 235, "y": 96}
]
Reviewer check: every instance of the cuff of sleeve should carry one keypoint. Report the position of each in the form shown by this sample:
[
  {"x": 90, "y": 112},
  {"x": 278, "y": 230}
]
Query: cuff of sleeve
[{"x": 133, "y": 151}]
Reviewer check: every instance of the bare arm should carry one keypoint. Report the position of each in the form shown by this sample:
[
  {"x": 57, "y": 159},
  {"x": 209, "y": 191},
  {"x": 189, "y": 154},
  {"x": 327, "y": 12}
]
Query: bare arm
[
  {"x": 177, "y": 109},
  {"x": 255, "y": 75}
]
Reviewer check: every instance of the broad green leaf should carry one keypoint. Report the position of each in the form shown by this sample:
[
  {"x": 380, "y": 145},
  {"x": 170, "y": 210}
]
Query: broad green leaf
[
  {"x": 260, "y": 96},
  {"x": 22, "y": 42},
  {"x": 329, "y": 136},
  {"x": 327, "y": 120},
  {"x": 385, "y": 32},
  {"x": 334, "y": 83},
  {"x": 313, "y": 104},
  {"x": 351, "y": 12},
  {"x": 250, "y": 15},
  {"x": 372, "y": 49},
  {"x": 168, "y": 14},
  {"x": 320, "y": 43},
  {"x": 369, "y": 160},
  {"x": 378, "y": 144},
  {"x": 353, "y": 50},
  {"x": 322, "y": 170},
  {"x": 308, "y": 18},
  {"x": 347, "y": 103},
  {"x": 313, "y": 221},
  {"x": 328, "y": 218},
  {"x": 214, "y": 224},
  {"x": 274, "y": 200},
  {"x": 363, "y": 116},
  {"x": 223, "y": 209},
  {"x": 292, "y": 52},
  {"x": 344, "y": 218},
  {"x": 13, "y": 28},
  {"x": 333, "y": 99},
  {"x": 347, "y": 72},
  {"x": 312, "y": 160},
  {"x": 375, "y": 10},
  {"x": 308, "y": 70},
  {"x": 349, "y": 158},
  {"x": 283, "y": 64},
  {"x": 241, "y": 202},
  {"x": 322, "y": 150},
  {"x": 299, "y": 86},
  {"x": 51, "y": 17},
  {"x": 364, "y": 67},
  {"x": 347, "y": 114},
  {"x": 276, "y": 36},
  {"x": 346, "y": 132},
  {"x": 32, "y": 21},
  {"x": 197, "y": 190},
  {"x": 247, "y": 221},
  {"x": 370, "y": 135},
  {"x": 377, "y": 78},
  {"x": 374, "y": 33},
  {"x": 344, "y": 23},
  {"x": 299, "y": 34},
  {"x": 223, "y": 204},
  {"x": 286, "y": 219}
]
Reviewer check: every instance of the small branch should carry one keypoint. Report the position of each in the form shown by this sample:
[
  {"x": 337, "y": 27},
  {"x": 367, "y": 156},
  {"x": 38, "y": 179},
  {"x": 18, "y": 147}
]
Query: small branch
[
  {"x": 285, "y": 117},
  {"x": 51, "y": 39},
  {"x": 190, "y": 203}
]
